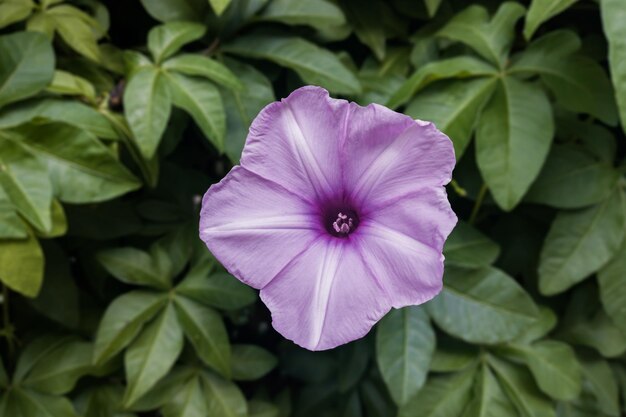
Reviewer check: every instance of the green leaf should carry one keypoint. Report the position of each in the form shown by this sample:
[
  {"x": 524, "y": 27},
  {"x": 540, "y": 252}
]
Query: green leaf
[
  {"x": 21, "y": 265},
  {"x": 220, "y": 290},
  {"x": 542, "y": 10},
  {"x": 25, "y": 181},
  {"x": 58, "y": 370},
  {"x": 152, "y": 354},
  {"x": 313, "y": 64},
  {"x": 521, "y": 389},
  {"x": 600, "y": 380},
  {"x": 219, "y": 6},
  {"x": 612, "y": 288},
  {"x": 133, "y": 266},
  {"x": 188, "y": 402},
  {"x": 201, "y": 99},
  {"x": 585, "y": 323},
  {"x": 37, "y": 349},
  {"x": 27, "y": 65},
  {"x": 457, "y": 67},
  {"x": 71, "y": 112},
  {"x": 482, "y": 306},
  {"x": 454, "y": 108},
  {"x": 554, "y": 367},
  {"x": 432, "y": 6},
  {"x": 242, "y": 107},
  {"x": 452, "y": 355},
  {"x": 67, "y": 83},
  {"x": 167, "y": 39},
  {"x": 319, "y": 14},
  {"x": 122, "y": 321},
  {"x": 166, "y": 389},
  {"x": 223, "y": 397},
  {"x": 173, "y": 10},
  {"x": 442, "y": 396},
  {"x": 31, "y": 403},
  {"x": 12, "y": 11},
  {"x": 77, "y": 30},
  {"x": 205, "y": 330},
  {"x": 542, "y": 326},
  {"x": 367, "y": 24},
  {"x": 513, "y": 139},
  {"x": 101, "y": 400},
  {"x": 572, "y": 179},
  {"x": 11, "y": 225},
  {"x": 81, "y": 168},
  {"x": 467, "y": 247},
  {"x": 405, "y": 342},
  {"x": 490, "y": 38},
  {"x": 581, "y": 242},
  {"x": 613, "y": 15},
  {"x": 578, "y": 82},
  {"x": 202, "y": 66},
  {"x": 489, "y": 399},
  {"x": 250, "y": 362},
  {"x": 556, "y": 44},
  {"x": 147, "y": 107},
  {"x": 258, "y": 408}
]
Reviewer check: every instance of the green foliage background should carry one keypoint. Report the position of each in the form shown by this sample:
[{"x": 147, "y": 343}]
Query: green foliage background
[{"x": 116, "y": 116}]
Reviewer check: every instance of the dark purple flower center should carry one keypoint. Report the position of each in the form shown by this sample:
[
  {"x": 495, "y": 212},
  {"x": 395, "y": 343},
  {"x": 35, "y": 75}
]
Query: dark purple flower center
[{"x": 340, "y": 222}]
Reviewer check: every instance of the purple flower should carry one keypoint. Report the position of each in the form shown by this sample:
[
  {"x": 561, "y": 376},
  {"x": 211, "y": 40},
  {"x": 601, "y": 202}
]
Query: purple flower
[{"x": 337, "y": 213}]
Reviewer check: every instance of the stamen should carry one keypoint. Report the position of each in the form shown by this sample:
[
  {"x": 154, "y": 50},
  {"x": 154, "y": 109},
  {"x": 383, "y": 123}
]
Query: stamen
[{"x": 343, "y": 224}]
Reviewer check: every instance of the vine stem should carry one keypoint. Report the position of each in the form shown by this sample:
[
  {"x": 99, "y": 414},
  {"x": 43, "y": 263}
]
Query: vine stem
[
  {"x": 6, "y": 320},
  {"x": 479, "y": 202}
]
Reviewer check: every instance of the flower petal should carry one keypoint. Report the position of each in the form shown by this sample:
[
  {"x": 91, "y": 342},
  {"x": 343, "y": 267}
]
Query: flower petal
[
  {"x": 389, "y": 155},
  {"x": 401, "y": 244},
  {"x": 255, "y": 227},
  {"x": 325, "y": 297},
  {"x": 296, "y": 143}
]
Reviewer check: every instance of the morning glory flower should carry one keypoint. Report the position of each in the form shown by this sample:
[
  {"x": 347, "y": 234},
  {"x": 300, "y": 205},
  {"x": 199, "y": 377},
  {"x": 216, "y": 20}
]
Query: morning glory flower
[{"x": 337, "y": 213}]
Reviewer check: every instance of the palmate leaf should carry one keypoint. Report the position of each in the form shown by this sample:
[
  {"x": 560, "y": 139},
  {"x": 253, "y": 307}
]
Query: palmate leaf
[
  {"x": 313, "y": 64},
  {"x": 482, "y": 306},
  {"x": 452, "y": 355},
  {"x": 133, "y": 266},
  {"x": 542, "y": 10},
  {"x": 77, "y": 29},
  {"x": 319, "y": 14},
  {"x": 581, "y": 242},
  {"x": 453, "y": 108},
  {"x": 242, "y": 106},
  {"x": 123, "y": 320},
  {"x": 517, "y": 383},
  {"x": 442, "y": 396},
  {"x": 21, "y": 264},
  {"x": 554, "y": 366},
  {"x": 71, "y": 112},
  {"x": 147, "y": 106},
  {"x": 189, "y": 401},
  {"x": 220, "y": 290},
  {"x": 80, "y": 167},
  {"x": 202, "y": 66},
  {"x": 405, "y": 342},
  {"x": 513, "y": 138},
  {"x": 165, "y": 40},
  {"x": 489, "y": 399},
  {"x": 612, "y": 288},
  {"x": 152, "y": 354},
  {"x": 613, "y": 14},
  {"x": 12, "y": 11},
  {"x": 457, "y": 67},
  {"x": 251, "y": 362},
  {"x": 27, "y": 65},
  {"x": 67, "y": 83},
  {"x": 205, "y": 330},
  {"x": 572, "y": 178},
  {"x": 24, "y": 179},
  {"x": 467, "y": 247},
  {"x": 202, "y": 100},
  {"x": 490, "y": 38},
  {"x": 21, "y": 402},
  {"x": 223, "y": 397}
]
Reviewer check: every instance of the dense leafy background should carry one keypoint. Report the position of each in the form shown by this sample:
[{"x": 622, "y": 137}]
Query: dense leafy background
[{"x": 116, "y": 116}]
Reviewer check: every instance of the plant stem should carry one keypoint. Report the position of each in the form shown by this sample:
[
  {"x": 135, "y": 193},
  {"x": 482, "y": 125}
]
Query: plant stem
[{"x": 479, "y": 202}]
